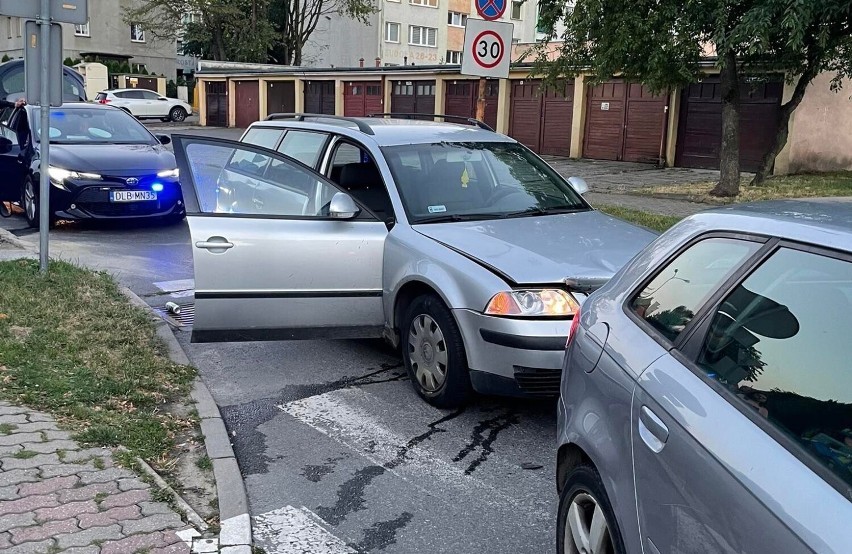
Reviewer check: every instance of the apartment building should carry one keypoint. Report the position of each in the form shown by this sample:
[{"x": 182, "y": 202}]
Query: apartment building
[
  {"x": 406, "y": 32},
  {"x": 105, "y": 37}
]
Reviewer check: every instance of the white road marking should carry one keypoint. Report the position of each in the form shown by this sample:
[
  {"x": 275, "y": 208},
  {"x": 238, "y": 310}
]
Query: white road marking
[
  {"x": 336, "y": 415},
  {"x": 178, "y": 288},
  {"x": 290, "y": 530}
]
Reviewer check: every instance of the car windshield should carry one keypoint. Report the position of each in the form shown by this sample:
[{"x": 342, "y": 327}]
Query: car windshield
[
  {"x": 92, "y": 126},
  {"x": 454, "y": 181}
]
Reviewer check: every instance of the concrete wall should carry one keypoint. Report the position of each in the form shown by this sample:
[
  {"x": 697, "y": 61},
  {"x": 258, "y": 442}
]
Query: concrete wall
[
  {"x": 820, "y": 130},
  {"x": 341, "y": 41}
]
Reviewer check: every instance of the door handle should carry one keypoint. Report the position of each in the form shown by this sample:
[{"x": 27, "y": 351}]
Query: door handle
[
  {"x": 652, "y": 429},
  {"x": 214, "y": 243}
]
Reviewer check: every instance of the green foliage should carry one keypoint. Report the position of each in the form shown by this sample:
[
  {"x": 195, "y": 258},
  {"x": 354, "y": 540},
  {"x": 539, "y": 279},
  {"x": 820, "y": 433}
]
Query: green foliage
[
  {"x": 171, "y": 89},
  {"x": 5, "y": 58}
]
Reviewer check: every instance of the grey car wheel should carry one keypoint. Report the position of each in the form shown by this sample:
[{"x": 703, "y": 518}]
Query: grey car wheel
[
  {"x": 433, "y": 352},
  {"x": 177, "y": 114},
  {"x": 29, "y": 199},
  {"x": 586, "y": 524}
]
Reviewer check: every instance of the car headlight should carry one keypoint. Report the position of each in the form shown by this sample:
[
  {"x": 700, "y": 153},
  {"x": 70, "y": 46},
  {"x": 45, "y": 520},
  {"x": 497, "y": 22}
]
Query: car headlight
[
  {"x": 533, "y": 303},
  {"x": 169, "y": 173},
  {"x": 58, "y": 176}
]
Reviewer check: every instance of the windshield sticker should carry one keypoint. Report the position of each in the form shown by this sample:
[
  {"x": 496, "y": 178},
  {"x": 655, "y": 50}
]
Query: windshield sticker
[
  {"x": 465, "y": 179},
  {"x": 437, "y": 209}
]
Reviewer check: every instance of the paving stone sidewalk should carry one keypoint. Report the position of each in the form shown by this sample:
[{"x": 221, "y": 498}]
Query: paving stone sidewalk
[{"x": 56, "y": 496}]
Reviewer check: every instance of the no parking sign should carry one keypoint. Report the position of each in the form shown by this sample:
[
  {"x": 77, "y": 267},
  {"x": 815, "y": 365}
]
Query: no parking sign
[{"x": 487, "y": 48}]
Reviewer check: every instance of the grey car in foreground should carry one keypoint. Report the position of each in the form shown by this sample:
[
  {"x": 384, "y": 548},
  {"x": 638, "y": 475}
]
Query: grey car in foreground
[
  {"x": 706, "y": 399},
  {"x": 455, "y": 243}
]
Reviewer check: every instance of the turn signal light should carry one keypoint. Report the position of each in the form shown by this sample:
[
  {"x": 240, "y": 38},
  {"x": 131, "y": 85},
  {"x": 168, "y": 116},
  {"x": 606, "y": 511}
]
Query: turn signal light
[{"x": 533, "y": 303}]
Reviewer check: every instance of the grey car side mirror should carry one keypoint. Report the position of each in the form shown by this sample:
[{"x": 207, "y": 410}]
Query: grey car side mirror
[
  {"x": 343, "y": 206},
  {"x": 579, "y": 185}
]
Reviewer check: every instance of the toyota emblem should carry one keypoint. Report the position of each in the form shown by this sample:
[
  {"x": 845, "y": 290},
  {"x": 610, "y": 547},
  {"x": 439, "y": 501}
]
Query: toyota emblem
[{"x": 133, "y": 181}]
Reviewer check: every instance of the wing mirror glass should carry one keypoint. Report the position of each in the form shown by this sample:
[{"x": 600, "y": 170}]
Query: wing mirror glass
[
  {"x": 5, "y": 145},
  {"x": 164, "y": 139},
  {"x": 343, "y": 206},
  {"x": 579, "y": 185}
]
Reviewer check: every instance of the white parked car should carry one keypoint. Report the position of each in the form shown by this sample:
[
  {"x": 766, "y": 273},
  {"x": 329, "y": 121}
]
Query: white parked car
[{"x": 145, "y": 104}]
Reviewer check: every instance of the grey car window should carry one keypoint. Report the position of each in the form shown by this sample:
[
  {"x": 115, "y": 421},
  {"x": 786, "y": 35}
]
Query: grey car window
[
  {"x": 780, "y": 342},
  {"x": 303, "y": 146},
  {"x": 260, "y": 136},
  {"x": 673, "y": 297},
  {"x": 147, "y": 95}
]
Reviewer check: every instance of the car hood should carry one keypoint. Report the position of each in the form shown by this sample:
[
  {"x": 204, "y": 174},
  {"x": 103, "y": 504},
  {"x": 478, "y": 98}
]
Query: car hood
[
  {"x": 109, "y": 159},
  {"x": 548, "y": 249}
]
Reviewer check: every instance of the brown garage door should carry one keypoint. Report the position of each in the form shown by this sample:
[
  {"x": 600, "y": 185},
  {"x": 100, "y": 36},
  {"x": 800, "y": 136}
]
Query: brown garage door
[
  {"x": 363, "y": 98},
  {"x": 216, "y": 99},
  {"x": 460, "y": 99},
  {"x": 700, "y": 127},
  {"x": 319, "y": 97},
  {"x": 624, "y": 121},
  {"x": 542, "y": 119},
  {"x": 413, "y": 97},
  {"x": 280, "y": 97},
  {"x": 247, "y": 104}
]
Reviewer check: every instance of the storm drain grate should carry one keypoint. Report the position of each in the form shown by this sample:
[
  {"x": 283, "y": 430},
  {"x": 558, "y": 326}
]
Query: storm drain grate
[{"x": 185, "y": 317}]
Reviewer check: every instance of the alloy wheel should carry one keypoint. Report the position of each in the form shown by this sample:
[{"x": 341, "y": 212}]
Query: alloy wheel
[
  {"x": 586, "y": 529},
  {"x": 30, "y": 202},
  {"x": 427, "y": 351},
  {"x": 178, "y": 115}
]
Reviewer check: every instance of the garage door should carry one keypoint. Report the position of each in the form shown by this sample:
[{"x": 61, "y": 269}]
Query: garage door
[
  {"x": 363, "y": 98},
  {"x": 147, "y": 83},
  {"x": 413, "y": 97},
  {"x": 542, "y": 119},
  {"x": 280, "y": 97},
  {"x": 319, "y": 97},
  {"x": 700, "y": 127},
  {"x": 247, "y": 105},
  {"x": 216, "y": 100},
  {"x": 624, "y": 121},
  {"x": 460, "y": 99}
]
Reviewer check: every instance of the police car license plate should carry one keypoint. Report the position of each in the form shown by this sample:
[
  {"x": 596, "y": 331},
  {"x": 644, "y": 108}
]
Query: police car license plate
[{"x": 132, "y": 196}]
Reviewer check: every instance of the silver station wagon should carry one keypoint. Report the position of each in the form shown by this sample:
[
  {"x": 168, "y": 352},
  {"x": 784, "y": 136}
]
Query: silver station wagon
[{"x": 454, "y": 242}]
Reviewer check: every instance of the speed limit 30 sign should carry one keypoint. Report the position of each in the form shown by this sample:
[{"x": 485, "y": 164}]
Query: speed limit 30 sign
[{"x": 487, "y": 48}]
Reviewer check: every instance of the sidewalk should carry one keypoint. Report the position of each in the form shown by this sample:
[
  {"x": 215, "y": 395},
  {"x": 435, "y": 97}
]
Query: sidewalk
[{"x": 57, "y": 497}]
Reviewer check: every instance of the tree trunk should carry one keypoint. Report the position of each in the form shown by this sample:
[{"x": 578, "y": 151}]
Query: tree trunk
[
  {"x": 784, "y": 125},
  {"x": 729, "y": 163}
]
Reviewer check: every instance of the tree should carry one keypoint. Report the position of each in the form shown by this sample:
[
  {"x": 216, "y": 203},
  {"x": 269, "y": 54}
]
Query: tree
[
  {"x": 663, "y": 42},
  {"x": 295, "y": 20}
]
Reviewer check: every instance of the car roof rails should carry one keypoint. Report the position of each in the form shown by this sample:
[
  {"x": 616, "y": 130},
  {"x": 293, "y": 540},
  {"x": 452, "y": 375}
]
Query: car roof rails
[
  {"x": 362, "y": 126},
  {"x": 454, "y": 118}
]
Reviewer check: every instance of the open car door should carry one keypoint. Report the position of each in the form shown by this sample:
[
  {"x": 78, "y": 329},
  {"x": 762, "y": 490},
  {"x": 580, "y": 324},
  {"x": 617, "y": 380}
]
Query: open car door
[{"x": 279, "y": 251}]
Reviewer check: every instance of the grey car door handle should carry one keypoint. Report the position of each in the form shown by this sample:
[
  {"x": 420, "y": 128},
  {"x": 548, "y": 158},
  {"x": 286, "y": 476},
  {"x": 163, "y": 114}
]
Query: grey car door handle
[
  {"x": 652, "y": 429},
  {"x": 214, "y": 244}
]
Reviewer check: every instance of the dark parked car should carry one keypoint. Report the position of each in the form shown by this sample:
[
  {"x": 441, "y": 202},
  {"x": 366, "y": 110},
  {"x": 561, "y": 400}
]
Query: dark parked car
[
  {"x": 707, "y": 391},
  {"x": 103, "y": 164}
]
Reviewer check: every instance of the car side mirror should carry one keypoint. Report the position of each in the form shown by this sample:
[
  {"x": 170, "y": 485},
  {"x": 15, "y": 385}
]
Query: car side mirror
[
  {"x": 5, "y": 145},
  {"x": 162, "y": 98},
  {"x": 578, "y": 185},
  {"x": 343, "y": 206},
  {"x": 164, "y": 139}
]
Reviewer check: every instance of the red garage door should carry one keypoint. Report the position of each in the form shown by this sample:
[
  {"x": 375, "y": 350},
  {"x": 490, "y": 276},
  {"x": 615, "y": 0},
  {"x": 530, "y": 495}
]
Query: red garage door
[
  {"x": 363, "y": 98},
  {"x": 247, "y": 104},
  {"x": 542, "y": 119},
  {"x": 319, "y": 97},
  {"x": 413, "y": 97},
  {"x": 624, "y": 121},
  {"x": 700, "y": 126},
  {"x": 460, "y": 99}
]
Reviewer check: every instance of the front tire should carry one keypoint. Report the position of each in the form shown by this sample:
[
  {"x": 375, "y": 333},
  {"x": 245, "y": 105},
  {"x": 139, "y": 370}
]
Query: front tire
[
  {"x": 29, "y": 202},
  {"x": 586, "y": 521},
  {"x": 177, "y": 114},
  {"x": 433, "y": 353}
]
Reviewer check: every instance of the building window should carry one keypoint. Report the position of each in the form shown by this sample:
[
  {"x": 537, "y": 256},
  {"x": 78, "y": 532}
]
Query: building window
[
  {"x": 82, "y": 30},
  {"x": 9, "y": 22},
  {"x": 517, "y": 6},
  {"x": 137, "y": 33},
  {"x": 453, "y": 57},
  {"x": 179, "y": 48},
  {"x": 188, "y": 18},
  {"x": 540, "y": 28},
  {"x": 456, "y": 19},
  {"x": 429, "y": 3},
  {"x": 422, "y": 36},
  {"x": 391, "y": 32}
]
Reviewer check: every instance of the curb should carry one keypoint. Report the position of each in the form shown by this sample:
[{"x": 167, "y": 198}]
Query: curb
[
  {"x": 6, "y": 236},
  {"x": 235, "y": 522}
]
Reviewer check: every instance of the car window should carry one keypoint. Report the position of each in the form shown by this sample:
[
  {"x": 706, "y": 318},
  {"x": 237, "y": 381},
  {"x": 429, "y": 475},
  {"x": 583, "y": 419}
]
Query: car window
[
  {"x": 237, "y": 180},
  {"x": 264, "y": 137},
  {"x": 134, "y": 94},
  {"x": 9, "y": 134},
  {"x": 93, "y": 126},
  {"x": 148, "y": 95},
  {"x": 120, "y": 94},
  {"x": 673, "y": 297},
  {"x": 780, "y": 343},
  {"x": 101, "y": 96},
  {"x": 304, "y": 146},
  {"x": 355, "y": 171}
]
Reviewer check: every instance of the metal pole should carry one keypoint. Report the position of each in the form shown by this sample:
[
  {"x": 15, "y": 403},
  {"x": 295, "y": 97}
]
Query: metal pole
[
  {"x": 480, "y": 100},
  {"x": 44, "y": 160}
]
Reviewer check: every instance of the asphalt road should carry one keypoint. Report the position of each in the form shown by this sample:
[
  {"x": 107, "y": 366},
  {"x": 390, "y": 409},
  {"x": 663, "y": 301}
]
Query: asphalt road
[{"x": 338, "y": 453}]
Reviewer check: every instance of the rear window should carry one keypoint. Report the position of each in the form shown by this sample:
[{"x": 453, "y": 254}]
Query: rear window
[
  {"x": 265, "y": 137},
  {"x": 101, "y": 96}
]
